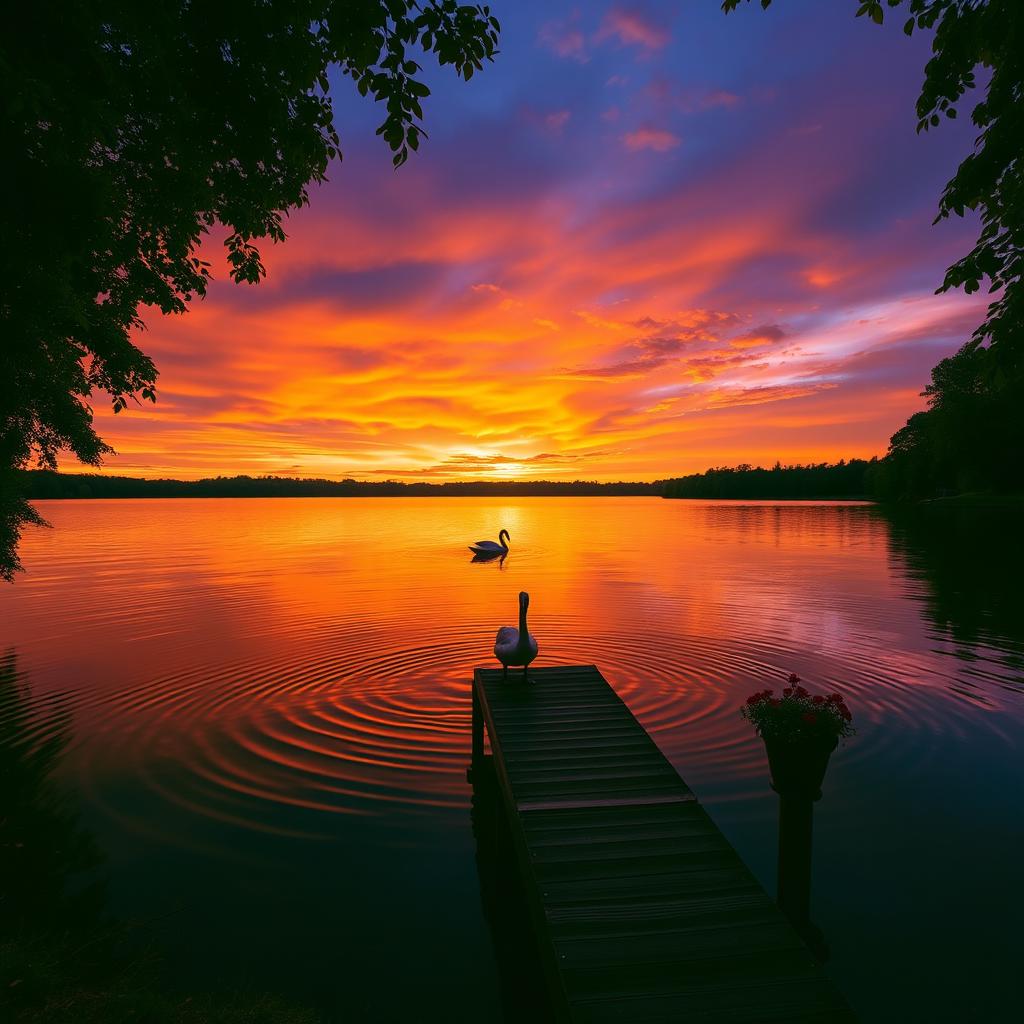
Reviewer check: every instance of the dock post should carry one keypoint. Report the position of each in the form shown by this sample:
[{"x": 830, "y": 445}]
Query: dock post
[
  {"x": 796, "y": 840},
  {"x": 476, "y": 758},
  {"x": 796, "y": 836}
]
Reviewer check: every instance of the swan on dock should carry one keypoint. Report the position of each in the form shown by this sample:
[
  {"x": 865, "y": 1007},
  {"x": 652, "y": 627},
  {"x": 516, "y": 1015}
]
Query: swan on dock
[{"x": 515, "y": 646}]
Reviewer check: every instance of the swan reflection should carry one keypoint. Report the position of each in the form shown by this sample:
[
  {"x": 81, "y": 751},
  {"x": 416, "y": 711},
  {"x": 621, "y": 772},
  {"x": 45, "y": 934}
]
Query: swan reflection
[{"x": 491, "y": 556}]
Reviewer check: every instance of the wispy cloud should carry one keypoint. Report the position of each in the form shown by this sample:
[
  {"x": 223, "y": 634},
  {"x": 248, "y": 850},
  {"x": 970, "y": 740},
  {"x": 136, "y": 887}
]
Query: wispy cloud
[
  {"x": 633, "y": 27},
  {"x": 731, "y": 398},
  {"x": 565, "y": 38},
  {"x": 758, "y": 337},
  {"x": 464, "y": 465},
  {"x": 636, "y": 359},
  {"x": 556, "y": 120},
  {"x": 666, "y": 92},
  {"x": 511, "y": 304},
  {"x": 660, "y": 140}
]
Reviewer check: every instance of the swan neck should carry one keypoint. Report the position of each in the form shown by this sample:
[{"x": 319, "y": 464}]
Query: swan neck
[{"x": 522, "y": 624}]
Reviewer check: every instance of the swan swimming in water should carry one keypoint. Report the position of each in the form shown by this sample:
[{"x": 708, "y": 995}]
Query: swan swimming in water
[
  {"x": 515, "y": 646},
  {"x": 488, "y": 547}
]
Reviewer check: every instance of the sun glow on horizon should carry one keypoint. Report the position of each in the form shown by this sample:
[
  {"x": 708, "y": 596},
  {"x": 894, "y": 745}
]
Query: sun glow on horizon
[{"x": 531, "y": 297}]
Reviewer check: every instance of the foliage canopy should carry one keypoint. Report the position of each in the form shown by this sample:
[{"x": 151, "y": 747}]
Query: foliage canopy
[
  {"x": 970, "y": 438},
  {"x": 131, "y": 131}
]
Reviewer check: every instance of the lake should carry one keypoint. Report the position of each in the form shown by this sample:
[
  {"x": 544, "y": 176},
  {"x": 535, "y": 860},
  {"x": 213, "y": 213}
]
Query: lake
[{"x": 267, "y": 711}]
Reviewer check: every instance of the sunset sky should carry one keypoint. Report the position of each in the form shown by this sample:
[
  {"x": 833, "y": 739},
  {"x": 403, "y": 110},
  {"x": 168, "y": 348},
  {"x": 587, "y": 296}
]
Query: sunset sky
[{"x": 645, "y": 241}]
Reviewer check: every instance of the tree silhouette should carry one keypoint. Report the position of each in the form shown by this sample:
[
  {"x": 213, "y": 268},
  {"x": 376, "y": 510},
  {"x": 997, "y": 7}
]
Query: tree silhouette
[
  {"x": 41, "y": 483},
  {"x": 840, "y": 480},
  {"x": 971, "y": 437},
  {"x": 131, "y": 131}
]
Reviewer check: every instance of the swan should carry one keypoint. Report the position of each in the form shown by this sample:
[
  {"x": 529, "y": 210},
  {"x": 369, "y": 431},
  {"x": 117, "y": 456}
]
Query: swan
[
  {"x": 488, "y": 547},
  {"x": 515, "y": 646}
]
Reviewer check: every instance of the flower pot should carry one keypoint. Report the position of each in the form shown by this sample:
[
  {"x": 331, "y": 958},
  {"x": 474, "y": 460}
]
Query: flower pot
[{"x": 798, "y": 766}]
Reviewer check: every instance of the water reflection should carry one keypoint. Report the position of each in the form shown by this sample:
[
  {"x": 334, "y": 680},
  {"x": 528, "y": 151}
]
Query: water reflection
[
  {"x": 53, "y": 936},
  {"x": 967, "y": 567},
  {"x": 520, "y": 970},
  {"x": 271, "y": 704},
  {"x": 47, "y": 860},
  {"x": 490, "y": 556},
  {"x": 64, "y": 956}
]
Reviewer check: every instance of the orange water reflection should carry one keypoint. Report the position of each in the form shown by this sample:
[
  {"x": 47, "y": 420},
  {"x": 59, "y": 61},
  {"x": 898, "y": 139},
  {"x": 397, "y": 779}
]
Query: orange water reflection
[
  {"x": 314, "y": 655},
  {"x": 284, "y": 686}
]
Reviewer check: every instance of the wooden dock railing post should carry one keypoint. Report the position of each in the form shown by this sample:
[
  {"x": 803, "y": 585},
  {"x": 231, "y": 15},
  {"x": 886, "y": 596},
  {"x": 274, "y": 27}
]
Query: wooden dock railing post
[{"x": 476, "y": 757}]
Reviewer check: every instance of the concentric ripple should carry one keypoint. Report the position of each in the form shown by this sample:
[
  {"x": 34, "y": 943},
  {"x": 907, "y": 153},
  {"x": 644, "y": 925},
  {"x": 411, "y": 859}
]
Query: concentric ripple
[{"x": 257, "y": 680}]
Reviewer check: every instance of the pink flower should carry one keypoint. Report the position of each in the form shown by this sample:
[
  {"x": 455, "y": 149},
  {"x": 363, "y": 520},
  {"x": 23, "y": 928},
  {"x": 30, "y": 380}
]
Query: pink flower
[{"x": 810, "y": 707}]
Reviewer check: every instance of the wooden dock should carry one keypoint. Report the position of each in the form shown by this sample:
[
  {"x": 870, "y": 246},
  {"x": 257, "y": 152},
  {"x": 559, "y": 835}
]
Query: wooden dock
[{"x": 642, "y": 909}]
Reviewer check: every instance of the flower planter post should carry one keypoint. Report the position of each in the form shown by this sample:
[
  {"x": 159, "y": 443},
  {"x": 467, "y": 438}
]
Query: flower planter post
[
  {"x": 797, "y": 770},
  {"x": 799, "y": 732},
  {"x": 796, "y": 824}
]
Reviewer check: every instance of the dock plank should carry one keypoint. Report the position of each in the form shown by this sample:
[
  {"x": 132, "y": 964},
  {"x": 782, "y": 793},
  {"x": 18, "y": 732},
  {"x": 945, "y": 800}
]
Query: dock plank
[{"x": 643, "y": 909}]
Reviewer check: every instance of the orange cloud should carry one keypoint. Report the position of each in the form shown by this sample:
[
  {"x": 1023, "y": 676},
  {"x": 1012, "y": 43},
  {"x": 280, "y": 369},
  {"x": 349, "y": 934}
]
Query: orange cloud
[
  {"x": 822, "y": 278},
  {"x": 533, "y": 313}
]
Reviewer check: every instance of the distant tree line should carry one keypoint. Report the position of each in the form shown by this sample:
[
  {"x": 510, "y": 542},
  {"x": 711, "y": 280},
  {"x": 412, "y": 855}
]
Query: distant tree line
[
  {"x": 840, "y": 480},
  {"x": 970, "y": 440},
  {"x": 43, "y": 484}
]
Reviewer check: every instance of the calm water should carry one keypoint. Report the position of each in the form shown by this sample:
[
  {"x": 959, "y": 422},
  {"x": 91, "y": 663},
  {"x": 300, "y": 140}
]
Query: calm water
[{"x": 269, "y": 721}]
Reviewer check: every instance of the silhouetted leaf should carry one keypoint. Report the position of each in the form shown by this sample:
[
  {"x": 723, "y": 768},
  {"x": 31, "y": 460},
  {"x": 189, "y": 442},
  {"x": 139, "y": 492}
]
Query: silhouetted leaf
[{"x": 128, "y": 136}]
